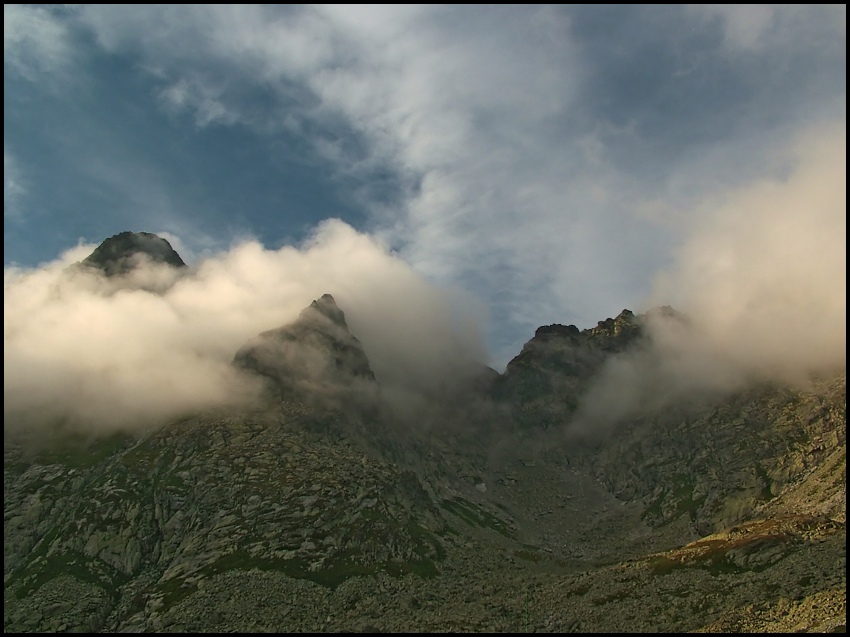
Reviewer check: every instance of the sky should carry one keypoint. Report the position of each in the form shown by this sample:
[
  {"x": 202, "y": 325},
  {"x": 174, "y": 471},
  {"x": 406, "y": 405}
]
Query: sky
[{"x": 468, "y": 171}]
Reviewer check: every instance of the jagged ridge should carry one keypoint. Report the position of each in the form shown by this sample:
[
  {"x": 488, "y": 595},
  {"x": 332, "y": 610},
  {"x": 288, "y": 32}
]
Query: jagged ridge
[{"x": 275, "y": 519}]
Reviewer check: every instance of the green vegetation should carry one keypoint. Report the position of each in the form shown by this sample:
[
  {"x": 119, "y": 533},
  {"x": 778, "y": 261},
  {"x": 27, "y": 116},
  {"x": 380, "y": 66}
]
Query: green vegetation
[
  {"x": 713, "y": 556},
  {"x": 716, "y": 564},
  {"x": 680, "y": 499},
  {"x": 663, "y": 565},
  {"x": 77, "y": 452},
  {"x": 529, "y": 556},
  {"x": 142, "y": 457},
  {"x": 329, "y": 572},
  {"x": 612, "y": 597},
  {"x": 476, "y": 516},
  {"x": 683, "y": 494}
]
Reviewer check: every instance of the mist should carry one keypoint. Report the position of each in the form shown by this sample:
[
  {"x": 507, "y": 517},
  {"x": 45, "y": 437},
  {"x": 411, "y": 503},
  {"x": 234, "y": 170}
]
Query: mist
[
  {"x": 761, "y": 279},
  {"x": 100, "y": 355},
  {"x": 760, "y": 274}
]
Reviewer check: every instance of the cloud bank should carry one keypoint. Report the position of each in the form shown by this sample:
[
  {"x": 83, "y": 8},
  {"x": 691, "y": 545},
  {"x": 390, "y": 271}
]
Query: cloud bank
[
  {"x": 762, "y": 280},
  {"x": 85, "y": 353},
  {"x": 553, "y": 164}
]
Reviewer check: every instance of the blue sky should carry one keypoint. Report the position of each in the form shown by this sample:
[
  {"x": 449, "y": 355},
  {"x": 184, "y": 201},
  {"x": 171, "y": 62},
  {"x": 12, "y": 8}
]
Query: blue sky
[{"x": 541, "y": 164}]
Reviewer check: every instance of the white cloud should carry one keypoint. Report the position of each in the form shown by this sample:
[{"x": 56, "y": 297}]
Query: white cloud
[
  {"x": 764, "y": 270},
  {"x": 35, "y": 40},
  {"x": 79, "y": 352},
  {"x": 745, "y": 24},
  {"x": 752, "y": 27},
  {"x": 201, "y": 99},
  {"x": 762, "y": 278},
  {"x": 517, "y": 190}
]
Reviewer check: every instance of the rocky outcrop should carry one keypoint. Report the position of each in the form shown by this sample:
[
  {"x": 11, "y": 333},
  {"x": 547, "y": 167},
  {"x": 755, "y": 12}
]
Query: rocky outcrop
[
  {"x": 250, "y": 523},
  {"x": 766, "y": 448},
  {"x": 210, "y": 494},
  {"x": 543, "y": 384},
  {"x": 127, "y": 251}
]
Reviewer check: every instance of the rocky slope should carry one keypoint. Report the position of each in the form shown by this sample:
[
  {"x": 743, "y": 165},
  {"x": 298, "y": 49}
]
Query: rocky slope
[{"x": 314, "y": 511}]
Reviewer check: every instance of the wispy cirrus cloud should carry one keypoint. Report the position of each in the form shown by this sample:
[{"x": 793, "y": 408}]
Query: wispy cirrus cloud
[
  {"x": 13, "y": 187},
  {"x": 36, "y": 41}
]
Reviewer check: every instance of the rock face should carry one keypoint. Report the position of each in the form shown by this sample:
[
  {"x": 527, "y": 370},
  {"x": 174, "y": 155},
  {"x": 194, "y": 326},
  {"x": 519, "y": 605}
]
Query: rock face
[
  {"x": 542, "y": 385},
  {"x": 316, "y": 351},
  {"x": 126, "y": 251},
  {"x": 310, "y": 512}
]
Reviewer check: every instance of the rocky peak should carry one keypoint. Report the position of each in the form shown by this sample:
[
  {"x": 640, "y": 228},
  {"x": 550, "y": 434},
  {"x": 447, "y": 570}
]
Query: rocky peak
[
  {"x": 326, "y": 306},
  {"x": 559, "y": 362},
  {"x": 125, "y": 251},
  {"x": 617, "y": 333},
  {"x": 558, "y": 346},
  {"x": 315, "y": 351},
  {"x": 556, "y": 330}
]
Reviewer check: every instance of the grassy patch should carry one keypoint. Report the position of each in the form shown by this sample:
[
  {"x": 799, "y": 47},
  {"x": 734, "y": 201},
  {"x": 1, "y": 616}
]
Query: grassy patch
[
  {"x": 142, "y": 457},
  {"x": 331, "y": 572},
  {"x": 476, "y": 516},
  {"x": 612, "y": 597},
  {"x": 653, "y": 511},
  {"x": 713, "y": 554},
  {"x": 76, "y": 452},
  {"x": 680, "y": 499},
  {"x": 682, "y": 494},
  {"x": 662, "y": 565}
]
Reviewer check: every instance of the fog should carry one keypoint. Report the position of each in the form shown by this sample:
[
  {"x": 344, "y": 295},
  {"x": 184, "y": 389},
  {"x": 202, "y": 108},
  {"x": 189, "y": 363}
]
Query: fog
[
  {"x": 101, "y": 354},
  {"x": 761, "y": 277}
]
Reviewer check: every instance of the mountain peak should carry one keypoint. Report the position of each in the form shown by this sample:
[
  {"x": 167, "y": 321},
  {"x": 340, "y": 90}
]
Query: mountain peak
[
  {"x": 317, "y": 349},
  {"x": 328, "y": 307},
  {"x": 125, "y": 251}
]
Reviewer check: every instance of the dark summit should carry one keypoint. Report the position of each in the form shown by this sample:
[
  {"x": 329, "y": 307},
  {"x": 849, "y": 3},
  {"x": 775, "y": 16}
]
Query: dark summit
[{"x": 125, "y": 251}]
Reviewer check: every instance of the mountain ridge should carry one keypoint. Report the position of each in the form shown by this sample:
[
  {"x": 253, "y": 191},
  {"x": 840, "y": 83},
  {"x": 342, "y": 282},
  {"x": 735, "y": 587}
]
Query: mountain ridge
[{"x": 317, "y": 509}]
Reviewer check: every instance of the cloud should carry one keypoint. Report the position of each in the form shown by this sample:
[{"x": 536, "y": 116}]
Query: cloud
[
  {"x": 35, "y": 40},
  {"x": 80, "y": 352},
  {"x": 746, "y": 25},
  {"x": 762, "y": 281},
  {"x": 201, "y": 100},
  {"x": 13, "y": 187},
  {"x": 764, "y": 272},
  {"x": 750, "y": 27},
  {"x": 546, "y": 159}
]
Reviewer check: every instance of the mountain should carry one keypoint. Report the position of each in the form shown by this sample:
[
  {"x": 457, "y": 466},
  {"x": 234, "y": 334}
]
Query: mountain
[
  {"x": 126, "y": 251},
  {"x": 317, "y": 349},
  {"x": 319, "y": 509},
  {"x": 543, "y": 383}
]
